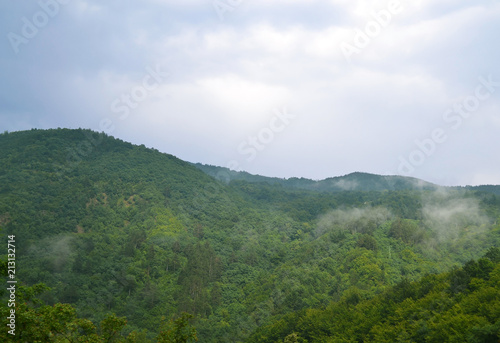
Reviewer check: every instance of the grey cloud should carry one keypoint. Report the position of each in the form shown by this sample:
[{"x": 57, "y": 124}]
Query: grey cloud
[{"x": 360, "y": 116}]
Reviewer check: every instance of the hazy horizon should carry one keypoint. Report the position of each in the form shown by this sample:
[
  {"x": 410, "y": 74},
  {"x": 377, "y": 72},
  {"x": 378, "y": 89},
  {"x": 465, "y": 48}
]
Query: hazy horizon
[{"x": 269, "y": 176}]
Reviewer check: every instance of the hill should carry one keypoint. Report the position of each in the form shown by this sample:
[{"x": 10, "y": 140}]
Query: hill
[
  {"x": 357, "y": 181},
  {"x": 117, "y": 228},
  {"x": 352, "y": 182}
]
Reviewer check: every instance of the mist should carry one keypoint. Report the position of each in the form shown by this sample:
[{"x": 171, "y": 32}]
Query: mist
[
  {"x": 55, "y": 251},
  {"x": 450, "y": 215},
  {"x": 356, "y": 220}
]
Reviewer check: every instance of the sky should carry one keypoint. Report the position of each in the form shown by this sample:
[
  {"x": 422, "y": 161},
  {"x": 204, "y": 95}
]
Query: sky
[{"x": 284, "y": 88}]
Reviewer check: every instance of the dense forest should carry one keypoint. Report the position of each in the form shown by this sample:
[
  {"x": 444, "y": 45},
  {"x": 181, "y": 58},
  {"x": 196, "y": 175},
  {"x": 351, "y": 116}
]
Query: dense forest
[{"x": 122, "y": 243}]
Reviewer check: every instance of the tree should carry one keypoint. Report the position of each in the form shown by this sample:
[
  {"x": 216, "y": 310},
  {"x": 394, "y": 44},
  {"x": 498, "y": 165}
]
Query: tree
[
  {"x": 407, "y": 230},
  {"x": 178, "y": 331},
  {"x": 367, "y": 242},
  {"x": 36, "y": 322}
]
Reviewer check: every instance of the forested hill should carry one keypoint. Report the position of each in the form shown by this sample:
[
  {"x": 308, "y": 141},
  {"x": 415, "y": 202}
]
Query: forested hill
[
  {"x": 122, "y": 231},
  {"x": 68, "y": 172},
  {"x": 352, "y": 182},
  {"x": 357, "y": 181}
]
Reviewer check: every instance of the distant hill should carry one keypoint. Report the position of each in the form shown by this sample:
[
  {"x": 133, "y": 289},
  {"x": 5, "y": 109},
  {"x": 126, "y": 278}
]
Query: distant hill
[
  {"x": 357, "y": 181},
  {"x": 352, "y": 182},
  {"x": 494, "y": 189}
]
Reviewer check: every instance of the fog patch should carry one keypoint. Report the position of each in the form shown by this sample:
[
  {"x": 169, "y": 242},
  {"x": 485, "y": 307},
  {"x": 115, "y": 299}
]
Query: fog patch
[
  {"x": 451, "y": 215},
  {"x": 61, "y": 250},
  {"x": 356, "y": 220},
  {"x": 347, "y": 185},
  {"x": 55, "y": 251}
]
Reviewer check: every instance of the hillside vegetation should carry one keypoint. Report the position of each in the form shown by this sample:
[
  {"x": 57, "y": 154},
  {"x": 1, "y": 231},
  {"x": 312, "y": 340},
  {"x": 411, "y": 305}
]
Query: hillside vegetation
[{"x": 122, "y": 231}]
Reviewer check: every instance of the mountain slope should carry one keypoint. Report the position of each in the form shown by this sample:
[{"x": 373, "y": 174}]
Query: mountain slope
[
  {"x": 118, "y": 228},
  {"x": 74, "y": 169},
  {"x": 458, "y": 306}
]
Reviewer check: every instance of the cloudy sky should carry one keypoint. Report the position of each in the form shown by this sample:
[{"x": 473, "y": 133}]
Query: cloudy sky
[{"x": 308, "y": 88}]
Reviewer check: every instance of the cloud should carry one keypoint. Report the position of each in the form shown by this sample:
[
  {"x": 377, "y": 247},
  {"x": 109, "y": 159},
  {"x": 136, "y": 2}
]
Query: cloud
[
  {"x": 360, "y": 220},
  {"x": 238, "y": 97},
  {"x": 228, "y": 76},
  {"x": 450, "y": 215}
]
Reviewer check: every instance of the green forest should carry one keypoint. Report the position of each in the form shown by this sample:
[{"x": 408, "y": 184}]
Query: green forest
[{"x": 116, "y": 242}]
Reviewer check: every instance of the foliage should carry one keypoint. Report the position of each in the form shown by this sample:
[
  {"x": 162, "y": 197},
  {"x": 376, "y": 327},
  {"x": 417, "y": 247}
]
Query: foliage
[
  {"x": 429, "y": 310},
  {"x": 114, "y": 228},
  {"x": 179, "y": 331},
  {"x": 37, "y": 322}
]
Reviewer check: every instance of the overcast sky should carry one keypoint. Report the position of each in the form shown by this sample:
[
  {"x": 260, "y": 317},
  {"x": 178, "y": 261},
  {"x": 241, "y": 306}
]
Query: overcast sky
[{"x": 306, "y": 88}]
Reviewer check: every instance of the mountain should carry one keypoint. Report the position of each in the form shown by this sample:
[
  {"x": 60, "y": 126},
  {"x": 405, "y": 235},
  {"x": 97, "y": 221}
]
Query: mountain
[
  {"x": 356, "y": 181},
  {"x": 493, "y": 189},
  {"x": 352, "y": 182},
  {"x": 116, "y": 228}
]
